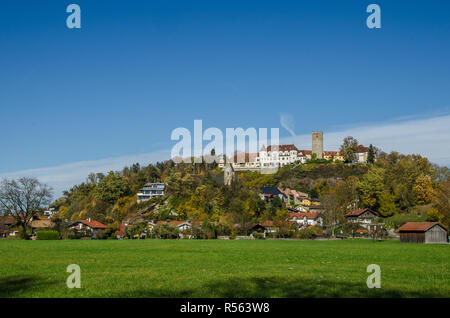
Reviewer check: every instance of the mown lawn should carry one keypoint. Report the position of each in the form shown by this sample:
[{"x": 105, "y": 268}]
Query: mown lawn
[{"x": 215, "y": 268}]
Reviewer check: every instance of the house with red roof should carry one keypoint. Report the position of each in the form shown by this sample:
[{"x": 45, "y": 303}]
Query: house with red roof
[
  {"x": 88, "y": 226},
  {"x": 364, "y": 217},
  {"x": 7, "y": 226}
]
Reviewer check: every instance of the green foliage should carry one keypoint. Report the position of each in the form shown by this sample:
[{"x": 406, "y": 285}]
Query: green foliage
[
  {"x": 112, "y": 187},
  {"x": 166, "y": 231},
  {"x": 371, "y": 155},
  {"x": 349, "y": 148},
  {"x": 306, "y": 234},
  {"x": 394, "y": 183},
  {"x": 47, "y": 235},
  {"x": 137, "y": 228}
]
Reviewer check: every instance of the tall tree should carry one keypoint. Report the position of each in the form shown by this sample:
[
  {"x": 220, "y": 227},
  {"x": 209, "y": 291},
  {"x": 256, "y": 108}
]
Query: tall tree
[
  {"x": 349, "y": 148},
  {"x": 23, "y": 199},
  {"x": 423, "y": 189},
  {"x": 371, "y": 154},
  {"x": 441, "y": 203}
]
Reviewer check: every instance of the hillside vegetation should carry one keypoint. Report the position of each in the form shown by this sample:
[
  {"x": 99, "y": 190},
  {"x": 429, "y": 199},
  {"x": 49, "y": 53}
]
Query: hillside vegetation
[{"x": 394, "y": 185}]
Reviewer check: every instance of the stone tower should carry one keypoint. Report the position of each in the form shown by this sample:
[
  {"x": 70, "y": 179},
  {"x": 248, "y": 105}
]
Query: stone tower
[
  {"x": 228, "y": 173},
  {"x": 317, "y": 144}
]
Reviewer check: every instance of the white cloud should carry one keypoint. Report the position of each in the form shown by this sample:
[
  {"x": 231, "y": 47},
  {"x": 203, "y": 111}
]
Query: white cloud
[
  {"x": 287, "y": 122},
  {"x": 65, "y": 176},
  {"x": 429, "y": 137}
]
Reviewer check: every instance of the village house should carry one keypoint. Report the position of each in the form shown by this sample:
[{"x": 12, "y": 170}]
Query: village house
[
  {"x": 50, "y": 212},
  {"x": 362, "y": 155},
  {"x": 182, "y": 225},
  {"x": 364, "y": 217},
  {"x": 42, "y": 224},
  {"x": 423, "y": 232},
  {"x": 7, "y": 226},
  {"x": 150, "y": 190},
  {"x": 268, "y": 193},
  {"x": 88, "y": 226},
  {"x": 293, "y": 197},
  {"x": 306, "y": 219}
]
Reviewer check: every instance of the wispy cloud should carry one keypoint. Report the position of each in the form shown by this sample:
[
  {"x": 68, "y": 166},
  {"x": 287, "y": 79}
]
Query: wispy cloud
[
  {"x": 429, "y": 137},
  {"x": 65, "y": 176},
  {"x": 288, "y": 123}
]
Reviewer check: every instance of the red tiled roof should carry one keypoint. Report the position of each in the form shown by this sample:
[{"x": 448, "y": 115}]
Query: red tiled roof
[
  {"x": 364, "y": 231},
  {"x": 283, "y": 147},
  {"x": 93, "y": 224},
  {"x": 267, "y": 223},
  {"x": 7, "y": 220},
  {"x": 361, "y": 148},
  {"x": 331, "y": 153},
  {"x": 301, "y": 215},
  {"x": 358, "y": 212},
  {"x": 306, "y": 152},
  {"x": 417, "y": 226}
]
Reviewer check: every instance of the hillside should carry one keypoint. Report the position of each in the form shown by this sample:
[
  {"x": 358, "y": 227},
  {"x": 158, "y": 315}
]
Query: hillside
[{"x": 394, "y": 185}]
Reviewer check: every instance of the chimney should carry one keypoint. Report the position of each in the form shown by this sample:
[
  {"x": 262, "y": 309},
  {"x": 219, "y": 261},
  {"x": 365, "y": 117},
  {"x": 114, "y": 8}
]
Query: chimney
[{"x": 89, "y": 219}]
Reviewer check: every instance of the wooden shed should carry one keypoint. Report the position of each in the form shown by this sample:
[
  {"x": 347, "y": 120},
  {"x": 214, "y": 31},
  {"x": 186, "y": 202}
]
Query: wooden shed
[{"x": 423, "y": 232}]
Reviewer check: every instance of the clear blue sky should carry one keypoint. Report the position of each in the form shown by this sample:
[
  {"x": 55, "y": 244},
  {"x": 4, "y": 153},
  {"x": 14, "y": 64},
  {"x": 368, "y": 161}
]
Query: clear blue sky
[{"x": 138, "y": 69}]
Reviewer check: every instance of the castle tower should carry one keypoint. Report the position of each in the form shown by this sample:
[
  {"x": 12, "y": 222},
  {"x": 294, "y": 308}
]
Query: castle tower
[{"x": 317, "y": 144}]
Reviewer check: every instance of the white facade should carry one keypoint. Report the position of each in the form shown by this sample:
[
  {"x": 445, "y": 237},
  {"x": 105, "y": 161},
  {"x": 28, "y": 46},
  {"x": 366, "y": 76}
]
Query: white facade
[{"x": 150, "y": 190}]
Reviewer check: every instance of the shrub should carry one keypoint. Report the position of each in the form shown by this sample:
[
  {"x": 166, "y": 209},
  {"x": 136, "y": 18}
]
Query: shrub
[
  {"x": 316, "y": 229},
  {"x": 258, "y": 236},
  {"x": 306, "y": 234},
  {"x": 47, "y": 235}
]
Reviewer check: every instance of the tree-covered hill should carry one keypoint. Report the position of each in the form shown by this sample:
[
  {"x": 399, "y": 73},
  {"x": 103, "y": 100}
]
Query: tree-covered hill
[{"x": 394, "y": 184}]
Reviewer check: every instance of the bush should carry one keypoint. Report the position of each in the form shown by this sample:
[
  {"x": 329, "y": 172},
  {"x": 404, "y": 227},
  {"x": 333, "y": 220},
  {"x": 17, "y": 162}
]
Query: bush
[
  {"x": 47, "y": 235},
  {"x": 258, "y": 236},
  {"x": 316, "y": 229},
  {"x": 306, "y": 234}
]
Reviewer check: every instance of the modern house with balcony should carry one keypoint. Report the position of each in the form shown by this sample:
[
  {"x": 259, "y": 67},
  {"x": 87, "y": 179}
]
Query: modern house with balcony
[{"x": 150, "y": 190}]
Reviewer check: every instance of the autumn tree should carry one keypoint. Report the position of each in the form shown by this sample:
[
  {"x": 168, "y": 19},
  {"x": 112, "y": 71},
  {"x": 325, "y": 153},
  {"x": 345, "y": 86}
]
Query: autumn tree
[
  {"x": 349, "y": 148},
  {"x": 371, "y": 187},
  {"x": 423, "y": 189},
  {"x": 23, "y": 199},
  {"x": 441, "y": 203},
  {"x": 112, "y": 187},
  {"x": 371, "y": 154}
]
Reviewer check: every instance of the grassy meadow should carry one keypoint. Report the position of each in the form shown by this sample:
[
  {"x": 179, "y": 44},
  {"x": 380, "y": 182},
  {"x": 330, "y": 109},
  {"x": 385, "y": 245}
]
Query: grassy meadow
[{"x": 216, "y": 268}]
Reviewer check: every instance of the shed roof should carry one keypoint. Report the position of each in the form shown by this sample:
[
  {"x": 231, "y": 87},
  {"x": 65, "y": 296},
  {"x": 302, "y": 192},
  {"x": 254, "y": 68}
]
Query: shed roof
[{"x": 418, "y": 226}]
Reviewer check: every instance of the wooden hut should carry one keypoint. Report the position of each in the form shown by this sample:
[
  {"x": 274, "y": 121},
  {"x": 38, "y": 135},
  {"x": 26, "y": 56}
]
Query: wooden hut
[{"x": 423, "y": 232}]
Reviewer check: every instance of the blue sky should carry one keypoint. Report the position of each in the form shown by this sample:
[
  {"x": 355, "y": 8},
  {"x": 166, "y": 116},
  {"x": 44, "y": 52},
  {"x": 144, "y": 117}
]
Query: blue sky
[{"x": 138, "y": 69}]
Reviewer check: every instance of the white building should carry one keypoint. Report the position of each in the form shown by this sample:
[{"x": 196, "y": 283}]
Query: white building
[
  {"x": 150, "y": 190},
  {"x": 306, "y": 219},
  {"x": 279, "y": 156}
]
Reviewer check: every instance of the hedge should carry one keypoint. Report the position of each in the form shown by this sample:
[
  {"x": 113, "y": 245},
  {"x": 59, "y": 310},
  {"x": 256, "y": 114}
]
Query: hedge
[{"x": 47, "y": 235}]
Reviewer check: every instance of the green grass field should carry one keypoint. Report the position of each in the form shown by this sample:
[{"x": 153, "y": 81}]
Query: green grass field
[{"x": 215, "y": 268}]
